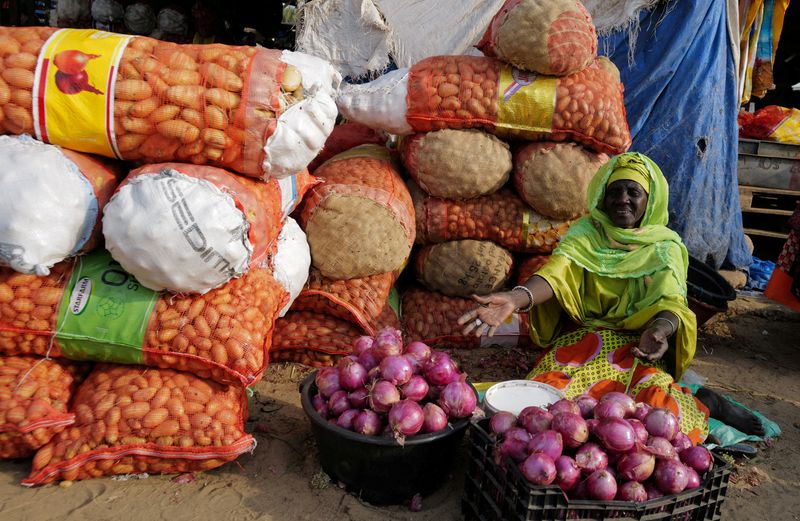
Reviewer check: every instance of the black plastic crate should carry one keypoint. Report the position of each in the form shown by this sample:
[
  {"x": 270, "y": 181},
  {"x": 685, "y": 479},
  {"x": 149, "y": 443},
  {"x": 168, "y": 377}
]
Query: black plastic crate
[{"x": 495, "y": 492}]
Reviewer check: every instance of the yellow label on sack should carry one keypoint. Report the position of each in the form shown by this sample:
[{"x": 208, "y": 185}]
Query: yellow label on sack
[
  {"x": 526, "y": 100},
  {"x": 73, "y": 100},
  {"x": 789, "y": 129}
]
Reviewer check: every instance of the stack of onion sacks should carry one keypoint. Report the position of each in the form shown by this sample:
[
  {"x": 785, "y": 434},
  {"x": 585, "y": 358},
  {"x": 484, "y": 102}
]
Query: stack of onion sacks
[
  {"x": 386, "y": 389},
  {"x": 614, "y": 449}
]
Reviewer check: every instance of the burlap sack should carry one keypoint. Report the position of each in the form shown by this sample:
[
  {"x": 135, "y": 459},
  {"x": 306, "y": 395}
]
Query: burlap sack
[
  {"x": 360, "y": 221},
  {"x": 553, "y": 177},
  {"x": 554, "y": 37},
  {"x": 463, "y": 268},
  {"x": 457, "y": 164}
]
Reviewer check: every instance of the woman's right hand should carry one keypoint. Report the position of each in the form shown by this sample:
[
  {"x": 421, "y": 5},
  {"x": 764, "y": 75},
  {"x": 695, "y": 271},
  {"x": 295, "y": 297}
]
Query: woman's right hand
[{"x": 494, "y": 310}]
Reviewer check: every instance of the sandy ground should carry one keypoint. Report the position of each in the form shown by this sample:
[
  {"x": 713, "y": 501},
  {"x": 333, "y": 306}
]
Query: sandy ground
[{"x": 751, "y": 353}]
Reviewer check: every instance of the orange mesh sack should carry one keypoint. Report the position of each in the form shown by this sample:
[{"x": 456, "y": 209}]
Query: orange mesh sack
[
  {"x": 457, "y": 164},
  {"x": 51, "y": 200},
  {"x": 501, "y": 217},
  {"x": 133, "y": 419},
  {"x": 553, "y": 177},
  {"x": 360, "y": 221},
  {"x": 359, "y": 301},
  {"x": 93, "y": 310},
  {"x": 211, "y": 225},
  {"x": 459, "y": 92},
  {"x": 35, "y": 395},
  {"x": 261, "y": 112},
  {"x": 463, "y": 268},
  {"x": 555, "y": 37},
  {"x": 432, "y": 318},
  {"x": 319, "y": 340},
  {"x": 530, "y": 266}
]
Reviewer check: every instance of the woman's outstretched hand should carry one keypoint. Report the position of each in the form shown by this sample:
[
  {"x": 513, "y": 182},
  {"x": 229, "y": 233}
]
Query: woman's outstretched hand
[
  {"x": 652, "y": 344},
  {"x": 494, "y": 309}
]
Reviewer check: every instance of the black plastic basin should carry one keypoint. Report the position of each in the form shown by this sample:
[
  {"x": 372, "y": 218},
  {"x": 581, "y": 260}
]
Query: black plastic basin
[
  {"x": 379, "y": 469},
  {"x": 708, "y": 292}
]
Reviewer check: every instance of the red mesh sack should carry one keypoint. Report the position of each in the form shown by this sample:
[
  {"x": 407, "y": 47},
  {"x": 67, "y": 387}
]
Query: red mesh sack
[
  {"x": 320, "y": 340},
  {"x": 35, "y": 394},
  {"x": 555, "y": 37},
  {"x": 360, "y": 221},
  {"x": 501, "y": 217},
  {"x": 133, "y": 419},
  {"x": 360, "y": 301},
  {"x": 92, "y": 310},
  {"x": 141, "y": 99},
  {"x": 343, "y": 138},
  {"x": 212, "y": 225},
  {"x": 474, "y": 92},
  {"x": 432, "y": 318},
  {"x": 530, "y": 266}
]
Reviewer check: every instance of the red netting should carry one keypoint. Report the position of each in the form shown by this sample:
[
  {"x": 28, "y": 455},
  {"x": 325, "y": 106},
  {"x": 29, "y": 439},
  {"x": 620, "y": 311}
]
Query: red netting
[
  {"x": 204, "y": 104},
  {"x": 223, "y": 334},
  {"x": 35, "y": 394},
  {"x": 134, "y": 419},
  {"x": 359, "y": 301},
  {"x": 529, "y": 266}
]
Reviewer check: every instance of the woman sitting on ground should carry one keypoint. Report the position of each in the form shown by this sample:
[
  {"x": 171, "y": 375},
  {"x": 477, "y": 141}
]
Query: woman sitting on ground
[{"x": 619, "y": 320}]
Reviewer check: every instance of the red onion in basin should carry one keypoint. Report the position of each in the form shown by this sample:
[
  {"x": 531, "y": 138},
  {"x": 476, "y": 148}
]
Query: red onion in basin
[
  {"x": 396, "y": 369},
  {"x": 515, "y": 444},
  {"x": 382, "y": 396},
  {"x": 352, "y": 375},
  {"x": 547, "y": 442},
  {"x": 458, "y": 399},
  {"x": 418, "y": 350},
  {"x": 671, "y": 476},
  {"x": 601, "y": 486},
  {"x": 435, "y": 418},
  {"x": 415, "y": 389},
  {"x": 640, "y": 431},
  {"x": 327, "y": 381},
  {"x": 338, "y": 403},
  {"x": 368, "y": 423},
  {"x": 345, "y": 420},
  {"x": 388, "y": 342},
  {"x": 406, "y": 418},
  {"x": 572, "y": 427},
  {"x": 440, "y": 369},
  {"x": 368, "y": 359},
  {"x": 358, "y": 398},
  {"x": 362, "y": 343},
  {"x": 642, "y": 410},
  {"x": 320, "y": 405},
  {"x": 652, "y": 489},
  {"x": 539, "y": 469}
]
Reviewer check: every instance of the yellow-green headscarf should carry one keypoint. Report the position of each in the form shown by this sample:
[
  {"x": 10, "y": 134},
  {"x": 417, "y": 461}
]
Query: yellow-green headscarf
[
  {"x": 620, "y": 278},
  {"x": 595, "y": 244}
]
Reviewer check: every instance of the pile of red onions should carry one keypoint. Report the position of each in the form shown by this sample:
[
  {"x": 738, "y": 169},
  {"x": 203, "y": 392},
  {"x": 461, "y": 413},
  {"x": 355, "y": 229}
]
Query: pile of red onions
[
  {"x": 611, "y": 449},
  {"x": 383, "y": 388}
]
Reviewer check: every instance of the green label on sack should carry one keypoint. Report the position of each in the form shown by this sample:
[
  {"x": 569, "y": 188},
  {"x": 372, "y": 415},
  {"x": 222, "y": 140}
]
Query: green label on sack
[{"x": 104, "y": 312}]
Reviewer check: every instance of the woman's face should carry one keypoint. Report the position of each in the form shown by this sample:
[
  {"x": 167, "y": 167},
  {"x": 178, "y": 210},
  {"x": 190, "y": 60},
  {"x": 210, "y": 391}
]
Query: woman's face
[{"x": 625, "y": 202}]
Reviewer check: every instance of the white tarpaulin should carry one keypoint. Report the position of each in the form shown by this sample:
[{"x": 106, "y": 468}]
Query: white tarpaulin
[{"x": 360, "y": 36}]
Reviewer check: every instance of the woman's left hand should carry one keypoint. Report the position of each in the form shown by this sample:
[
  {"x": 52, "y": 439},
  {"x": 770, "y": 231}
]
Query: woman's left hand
[{"x": 652, "y": 344}]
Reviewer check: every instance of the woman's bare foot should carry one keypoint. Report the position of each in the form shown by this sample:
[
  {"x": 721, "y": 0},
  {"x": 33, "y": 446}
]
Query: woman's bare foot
[{"x": 730, "y": 413}]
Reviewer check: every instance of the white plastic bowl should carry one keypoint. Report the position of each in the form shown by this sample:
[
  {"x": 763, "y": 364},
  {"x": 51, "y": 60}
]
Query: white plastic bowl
[{"x": 515, "y": 395}]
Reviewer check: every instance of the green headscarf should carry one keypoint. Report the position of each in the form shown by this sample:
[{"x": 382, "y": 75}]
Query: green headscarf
[{"x": 595, "y": 244}]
